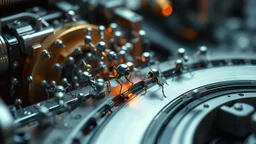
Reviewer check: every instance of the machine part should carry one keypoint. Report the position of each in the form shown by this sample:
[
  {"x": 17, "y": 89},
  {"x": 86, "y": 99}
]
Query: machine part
[
  {"x": 162, "y": 8},
  {"x": 72, "y": 36},
  {"x": 229, "y": 117},
  {"x": 145, "y": 107},
  {"x": 33, "y": 41},
  {"x": 84, "y": 71},
  {"x": 24, "y": 15},
  {"x": 128, "y": 18},
  {"x": 4, "y": 59},
  {"x": 195, "y": 97},
  {"x": 7, "y": 126}
]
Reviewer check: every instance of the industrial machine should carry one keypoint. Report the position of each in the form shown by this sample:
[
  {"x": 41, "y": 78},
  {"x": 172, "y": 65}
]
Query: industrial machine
[{"x": 127, "y": 71}]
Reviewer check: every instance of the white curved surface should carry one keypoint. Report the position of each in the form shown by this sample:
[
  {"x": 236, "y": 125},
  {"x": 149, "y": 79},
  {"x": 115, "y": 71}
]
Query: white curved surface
[{"x": 129, "y": 124}]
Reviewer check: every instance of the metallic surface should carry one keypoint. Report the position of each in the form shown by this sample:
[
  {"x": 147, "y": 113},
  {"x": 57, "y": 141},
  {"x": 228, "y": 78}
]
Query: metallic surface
[
  {"x": 40, "y": 69},
  {"x": 140, "y": 111},
  {"x": 4, "y": 60}
]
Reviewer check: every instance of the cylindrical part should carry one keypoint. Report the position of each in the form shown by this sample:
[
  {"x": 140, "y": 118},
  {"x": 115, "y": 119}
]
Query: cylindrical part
[
  {"x": 13, "y": 111},
  {"x": 4, "y": 59},
  {"x": 39, "y": 24}
]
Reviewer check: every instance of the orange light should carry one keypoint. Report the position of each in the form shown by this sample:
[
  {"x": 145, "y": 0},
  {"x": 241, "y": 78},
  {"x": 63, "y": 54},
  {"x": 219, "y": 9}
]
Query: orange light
[
  {"x": 167, "y": 10},
  {"x": 105, "y": 71},
  {"x": 143, "y": 59},
  {"x": 189, "y": 33},
  {"x": 115, "y": 90},
  {"x": 198, "y": 66},
  {"x": 109, "y": 29}
]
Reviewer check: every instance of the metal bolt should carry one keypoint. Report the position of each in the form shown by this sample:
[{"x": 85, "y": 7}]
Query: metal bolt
[
  {"x": 181, "y": 52},
  {"x": 64, "y": 81},
  {"x": 14, "y": 81},
  {"x": 18, "y": 102},
  {"x": 129, "y": 46},
  {"x": 59, "y": 43},
  {"x": 16, "y": 22},
  {"x": 75, "y": 78},
  {"x": 46, "y": 54},
  {"x": 39, "y": 24},
  {"x": 89, "y": 31},
  {"x": 101, "y": 29},
  {"x": 59, "y": 88},
  {"x": 142, "y": 34},
  {"x": 15, "y": 64},
  {"x": 101, "y": 46},
  {"x": 44, "y": 83},
  {"x": 53, "y": 84},
  {"x": 112, "y": 55},
  {"x": 87, "y": 39},
  {"x": 113, "y": 26},
  {"x": 78, "y": 51},
  {"x": 118, "y": 34},
  {"x": 57, "y": 67},
  {"x": 203, "y": 50},
  {"x": 59, "y": 95},
  {"x": 238, "y": 106},
  {"x": 70, "y": 60},
  {"x": 179, "y": 63},
  {"x": 30, "y": 79}
]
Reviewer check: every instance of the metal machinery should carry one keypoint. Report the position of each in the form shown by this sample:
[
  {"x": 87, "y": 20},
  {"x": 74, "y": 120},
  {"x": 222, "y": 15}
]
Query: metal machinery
[{"x": 119, "y": 71}]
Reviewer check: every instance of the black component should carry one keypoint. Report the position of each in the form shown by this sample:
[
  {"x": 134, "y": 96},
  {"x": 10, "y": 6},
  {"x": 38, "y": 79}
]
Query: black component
[{"x": 236, "y": 119}]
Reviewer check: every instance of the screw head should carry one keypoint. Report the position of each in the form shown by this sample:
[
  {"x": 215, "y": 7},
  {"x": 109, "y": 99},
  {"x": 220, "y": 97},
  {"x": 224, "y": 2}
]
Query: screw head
[
  {"x": 238, "y": 106},
  {"x": 57, "y": 66},
  {"x": 59, "y": 88},
  {"x": 181, "y": 52},
  {"x": 203, "y": 50},
  {"x": 59, "y": 43},
  {"x": 113, "y": 26},
  {"x": 70, "y": 60},
  {"x": 44, "y": 83},
  {"x": 112, "y": 55},
  {"x": 101, "y": 46},
  {"x": 179, "y": 63},
  {"x": 87, "y": 39},
  {"x": 142, "y": 33},
  {"x": 101, "y": 28},
  {"x": 30, "y": 79}
]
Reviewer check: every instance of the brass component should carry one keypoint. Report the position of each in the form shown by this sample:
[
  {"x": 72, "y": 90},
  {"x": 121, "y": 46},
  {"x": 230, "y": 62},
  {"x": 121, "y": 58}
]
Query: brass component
[
  {"x": 72, "y": 36},
  {"x": 128, "y": 19}
]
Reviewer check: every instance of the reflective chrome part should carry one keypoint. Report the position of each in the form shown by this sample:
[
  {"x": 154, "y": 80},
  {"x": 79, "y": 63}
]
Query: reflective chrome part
[
  {"x": 4, "y": 59},
  {"x": 140, "y": 111}
]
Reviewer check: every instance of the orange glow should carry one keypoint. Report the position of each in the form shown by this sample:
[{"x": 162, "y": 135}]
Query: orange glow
[
  {"x": 105, "y": 71},
  {"x": 143, "y": 59},
  {"x": 167, "y": 10},
  {"x": 115, "y": 90},
  {"x": 130, "y": 95},
  {"x": 109, "y": 29},
  {"x": 189, "y": 33}
]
